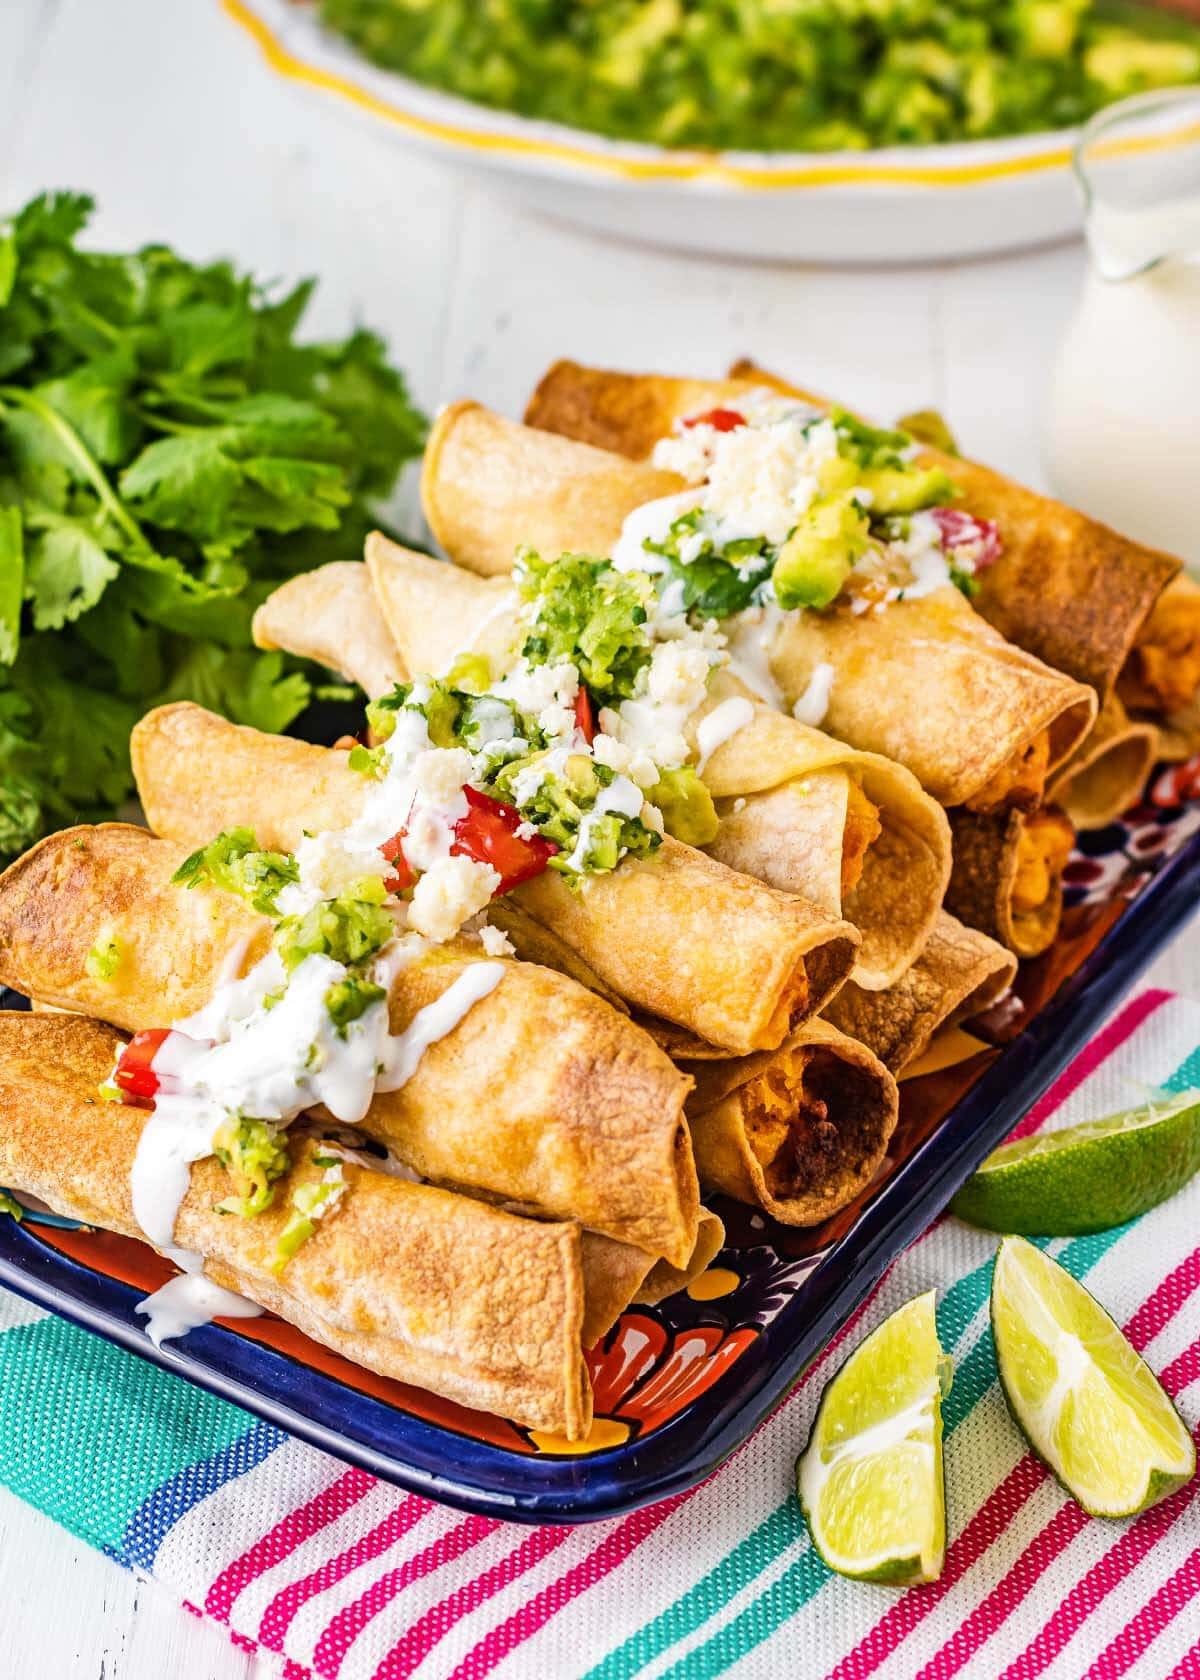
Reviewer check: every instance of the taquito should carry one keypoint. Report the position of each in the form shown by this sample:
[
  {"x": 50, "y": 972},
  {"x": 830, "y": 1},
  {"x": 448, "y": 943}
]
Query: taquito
[
  {"x": 927, "y": 682},
  {"x": 675, "y": 932},
  {"x": 1106, "y": 775},
  {"x": 331, "y": 615},
  {"x": 1065, "y": 588},
  {"x": 1007, "y": 876},
  {"x": 851, "y": 832},
  {"x": 1162, "y": 673},
  {"x": 958, "y": 975},
  {"x": 591, "y": 1122},
  {"x": 409, "y": 1280},
  {"x": 797, "y": 1131}
]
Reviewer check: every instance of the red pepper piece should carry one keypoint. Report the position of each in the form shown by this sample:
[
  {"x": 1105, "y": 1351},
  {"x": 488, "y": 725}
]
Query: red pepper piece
[
  {"x": 404, "y": 876},
  {"x": 585, "y": 720},
  {"x": 488, "y": 834},
  {"x": 720, "y": 419}
]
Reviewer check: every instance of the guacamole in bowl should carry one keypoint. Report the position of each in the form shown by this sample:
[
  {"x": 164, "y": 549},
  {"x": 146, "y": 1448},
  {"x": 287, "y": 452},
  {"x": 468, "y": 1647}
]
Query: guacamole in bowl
[{"x": 781, "y": 75}]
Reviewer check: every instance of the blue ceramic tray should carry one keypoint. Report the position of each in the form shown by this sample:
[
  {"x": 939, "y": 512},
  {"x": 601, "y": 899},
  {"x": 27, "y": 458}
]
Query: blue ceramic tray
[{"x": 680, "y": 1386}]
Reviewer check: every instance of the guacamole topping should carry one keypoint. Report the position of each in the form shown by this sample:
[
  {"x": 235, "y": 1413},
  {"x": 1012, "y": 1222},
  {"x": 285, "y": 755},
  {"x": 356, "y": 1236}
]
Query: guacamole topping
[
  {"x": 796, "y": 508},
  {"x": 781, "y": 75}
]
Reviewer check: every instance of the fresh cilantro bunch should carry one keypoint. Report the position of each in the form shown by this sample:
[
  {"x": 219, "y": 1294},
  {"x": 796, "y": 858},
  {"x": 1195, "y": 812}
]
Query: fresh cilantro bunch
[{"x": 168, "y": 454}]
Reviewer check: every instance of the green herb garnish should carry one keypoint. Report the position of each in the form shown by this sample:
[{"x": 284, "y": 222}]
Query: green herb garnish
[
  {"x": 255, "y": 1153},
  {"x": 585, "y": 611},
  {"x": 168, "y": 453},
  {"x": 234, "y": 863}
]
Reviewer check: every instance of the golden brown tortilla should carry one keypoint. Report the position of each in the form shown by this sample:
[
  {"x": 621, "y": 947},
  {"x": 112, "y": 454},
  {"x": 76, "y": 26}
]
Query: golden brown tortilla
[
  {"x": 787, "y": 794},
  {"x": 674, "y": 932},
  {"x": 1106, "y": 775},
  {"x": 1007, "y": 876},
  {"x": 331, "y": 615},
  {"x": 797, "y": 1131},
  {"x": 591, "y": 1125},
  {"x": 958, "y": 975},
  {"x": 927, "y": 683},
  {"x": 411, "y": 1281}
]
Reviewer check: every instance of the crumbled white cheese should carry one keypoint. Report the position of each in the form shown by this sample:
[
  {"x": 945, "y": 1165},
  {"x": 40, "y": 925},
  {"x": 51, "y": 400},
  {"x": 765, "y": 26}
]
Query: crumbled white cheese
[
  {"x": 439, "y": 774},
  {"x": 546, "y": 692},
  {"x": 448, "y": 894},
  {"x": 495, "y": 941},
  {"x": 678, "y": 675},
  {"x": 636, "y": 764},
  {"x": 760, "y": 482}
]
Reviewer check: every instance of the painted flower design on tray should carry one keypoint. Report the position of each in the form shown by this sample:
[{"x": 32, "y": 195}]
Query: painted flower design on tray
[{"x": 645, "y": 1373}]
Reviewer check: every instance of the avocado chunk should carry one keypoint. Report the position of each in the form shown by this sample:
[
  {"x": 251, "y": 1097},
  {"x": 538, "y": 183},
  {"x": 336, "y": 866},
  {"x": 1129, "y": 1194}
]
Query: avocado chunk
[
  {"x": 821, "y": 552},
  {"x": 906, "y": 490},
  {"x": 688, "y": 812}
]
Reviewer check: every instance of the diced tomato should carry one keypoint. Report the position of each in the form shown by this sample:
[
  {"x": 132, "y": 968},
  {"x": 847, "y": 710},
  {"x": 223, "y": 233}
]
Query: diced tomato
[
  {"x": 393, "y": 851},
  {"x": 134, "y": 1074},
  {"x": 585, "y": 720},
  {"x": 488, "y": 833},
  {"x": 963, "y": 530},
  {"x": 720, "y": 419}
]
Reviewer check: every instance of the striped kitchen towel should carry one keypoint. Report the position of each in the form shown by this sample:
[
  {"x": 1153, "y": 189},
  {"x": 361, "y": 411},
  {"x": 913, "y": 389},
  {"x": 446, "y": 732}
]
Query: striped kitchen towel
[{"x": 330, "y": 1573}]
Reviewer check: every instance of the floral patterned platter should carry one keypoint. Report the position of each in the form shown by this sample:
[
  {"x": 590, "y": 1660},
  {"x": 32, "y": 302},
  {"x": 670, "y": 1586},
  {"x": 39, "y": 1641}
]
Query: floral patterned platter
[{"x": 679, "y": 1386}]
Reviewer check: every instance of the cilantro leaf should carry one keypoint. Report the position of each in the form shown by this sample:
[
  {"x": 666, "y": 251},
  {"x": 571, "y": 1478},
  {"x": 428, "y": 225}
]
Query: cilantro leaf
[{"x": 169, "y": 452}]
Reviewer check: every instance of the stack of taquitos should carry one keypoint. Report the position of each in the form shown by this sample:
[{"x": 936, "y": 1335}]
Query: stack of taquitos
[
  {"x": 591, "y": 1126},
  {"x": 928, "y": 683},
  {"x": 1025, "y": 854},
  {"x": 850, "y": 832},
  {"x": 415, "y": 1282},
  {"x": 267, "y": 777},
  {"x": 676, "y": 933}
]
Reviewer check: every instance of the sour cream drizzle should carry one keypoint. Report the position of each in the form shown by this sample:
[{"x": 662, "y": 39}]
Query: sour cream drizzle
[{"x": 721, "y": 724}]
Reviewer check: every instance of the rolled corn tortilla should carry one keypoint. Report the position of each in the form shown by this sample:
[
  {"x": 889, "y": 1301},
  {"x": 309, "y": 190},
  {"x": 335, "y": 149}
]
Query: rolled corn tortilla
[
  {"x": 851, "y": 832},
  {"x": 590, "y": 1124},
  {"x": 1065, "y": 588},
  {"x": 1162, "y": 673},
  {"x": 1087, "y": 600},
  {"x": 927, "y": 683},
  {"x": 537, "y": 490},
  {"x": 409, "y": 1280},
  {"x": 958, "y": 975},
  {"x": 331, "y": 615},
  {"x": 1007, "y": 876},
  {"x": 797, "y": 1131},
  {"x": 1106, "y": 775},
  {"x": 675, "y": 932}
]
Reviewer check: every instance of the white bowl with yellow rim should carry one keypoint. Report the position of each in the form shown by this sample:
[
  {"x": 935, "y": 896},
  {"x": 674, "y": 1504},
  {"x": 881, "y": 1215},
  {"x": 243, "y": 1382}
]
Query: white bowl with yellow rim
[{"x": 898, "y": 204}]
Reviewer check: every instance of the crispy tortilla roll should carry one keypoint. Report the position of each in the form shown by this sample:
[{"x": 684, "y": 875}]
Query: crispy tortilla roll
[
  {"x": 537, "y": 490},
  {"x": 331, "y": 615},
  {"x": 1065, "y": 588},
  {"x": 1162, "y": 673},
  {"x": 411, "y": 1281},
  {"x": 850, "y": 831},
  {"x": 798, "y": 1131},
  {"x": 680, "y": 935},
  {"x": 1106, "y": 775},
  {"x": 590, "y": 1125},
  {"x": 615, "y": 1275},
  {"x": 1070, "y": 590},
  {"x": 927, "y": 683},
  {"x": 958, "y": 975},
  {"x": 1007, "y": 876}
]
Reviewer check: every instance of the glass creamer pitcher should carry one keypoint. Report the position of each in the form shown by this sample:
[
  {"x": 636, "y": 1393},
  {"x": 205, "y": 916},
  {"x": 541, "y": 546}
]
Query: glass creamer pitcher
[{"x": 1123, "y": 433}]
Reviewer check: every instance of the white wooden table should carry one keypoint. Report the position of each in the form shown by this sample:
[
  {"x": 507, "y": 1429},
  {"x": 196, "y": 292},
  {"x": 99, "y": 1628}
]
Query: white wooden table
[{"x": 165, "y": 113}]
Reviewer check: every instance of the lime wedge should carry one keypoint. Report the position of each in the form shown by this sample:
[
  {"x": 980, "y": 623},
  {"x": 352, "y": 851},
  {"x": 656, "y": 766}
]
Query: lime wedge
[
  {"x": 870, "y": 1479},
  {"x": 1091, "y": 1409},
  {"x": 1088, "y": 1177}
]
